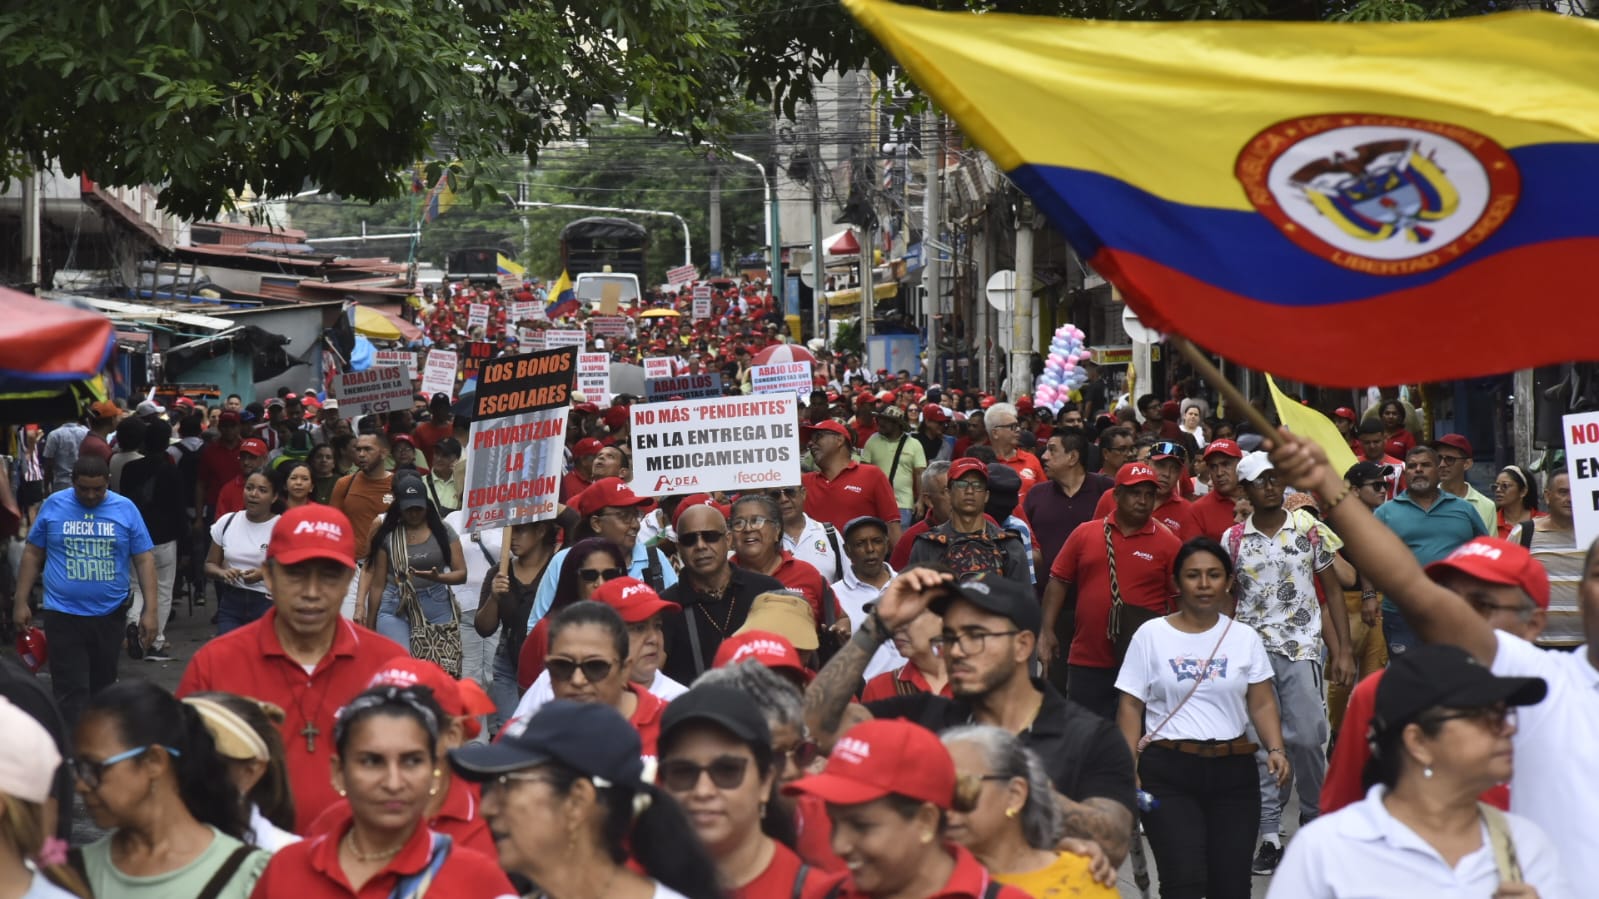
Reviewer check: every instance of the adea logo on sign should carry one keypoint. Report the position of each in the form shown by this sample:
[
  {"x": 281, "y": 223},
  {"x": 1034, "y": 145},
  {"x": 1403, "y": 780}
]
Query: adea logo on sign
[{"x": 669, "y": 483}]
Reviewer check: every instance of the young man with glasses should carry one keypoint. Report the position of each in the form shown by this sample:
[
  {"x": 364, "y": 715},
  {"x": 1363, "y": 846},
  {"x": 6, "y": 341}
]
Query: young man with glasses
[
  {"x": 990, "y": 627},
  {"x": 1454, "y": 461},
  {"x": 715, "y": 595},
  {"x": 969, "y": 543},
  {"x": 1115, "y": 449}
]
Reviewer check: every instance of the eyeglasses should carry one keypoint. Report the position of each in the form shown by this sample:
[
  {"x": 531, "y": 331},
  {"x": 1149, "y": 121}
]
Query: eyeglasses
[
  {"x": 681, "y": 775},
  {"x": 1450, "y": 460},
  {"x": 970, "y": 642},
  {"x": 590, "y": 575},
  {"x": 777, "y": 492},
  {"x": 1118, "y": 450},
  {"x": 1013, "y": 426},
  {"x": 503, "y": 782},
  {"x": 694, "y": 538},
  {"x": 968, "y": 486},
  {"x": 801, "y": 755},
  {"x": 626, "y": 516},
  {"x": 594, "y": 670},
  {"x": 750, "y": 524},
  {"x": 1493, "y": 718},
  {"x": 90, "y": 772}
]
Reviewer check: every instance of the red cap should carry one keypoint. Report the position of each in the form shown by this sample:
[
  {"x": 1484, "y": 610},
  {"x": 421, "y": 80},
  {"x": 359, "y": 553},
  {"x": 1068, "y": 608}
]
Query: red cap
[
  {"x": 1498, "y": 562},
  {"x": 882, "y": 757},
  {"x": 404, "y": 438},
  {"x": 865, "y": 396},
  {"x": 253, "y": 446},
  {"x": 607, "y": 493},
  {"x": 886, "y": 396},
  {"x": 1024, "y": 404},
  {"x": 1136, "y": 473},
  {"x": 935, "y": 413},
  {"x": 1454, "y": 441},
  {"x": 772, "y": 650},
  {"x": 986, "y": 401},
  {"x": 312, "y": 531},
  {"x": 830, "y": 426},
  {"x": 1225, "y": 447},
  {"x": 458, "y": 698},
  {"x": 183, "y": 401},
  {"x": 615, "y": 417},
  {"x": 588, "y": 446},
  {"x": 586, "y": 408},
  {"x": 1345, "y": 412},
  {"x": 965, "y": 466},
  {"x": 633, "y": 599}
]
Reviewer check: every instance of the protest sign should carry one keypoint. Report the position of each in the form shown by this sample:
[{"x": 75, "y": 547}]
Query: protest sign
[
  {"x": 396, "y": 358},
  {"x": 736, "y": 444},
  {"x": 1582, "y": 464},
  {"x": 477, "y": 315},
  {"x": 659, "y": 367},
  {"x": 610, "y": 297},
  {"x": 702, "y": 301},
  {"x": 781, "y": 377},
  {"x": 608, "y": 326},
  {"x": 565, "y": 337},
  {"x": 518, "y": 438},
  {"x": 682, "y": 387},
  {"x": 526, "y": 310},
  {"x": 477, "y": 352},
  {"x": 531, "y": 338},
  {"x": 438, "y": 373},
  {"x": 374, "y": 390},
  {"x": 594, "y": 377},
  {"x": 682, "y": 274}
]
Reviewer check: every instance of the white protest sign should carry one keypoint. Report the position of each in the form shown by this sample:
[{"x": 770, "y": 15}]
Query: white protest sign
[
  {"x": 594, "y": 377},
  {"x": 781, "y": 377},
  {"x": 477, "y": 315},
  {"x": 564, "y": 337},
  {"x": 400, "y": 358},
  {"x": 682, "y": 274},
  {"x": 518, "y": 438},
  {"x": 608, "y": 326},
  {"x": 702, "y": 301},
  {"x": 531, "y": 338},
  {"x": 1582, "y": 464},
  {"x": 374, "y": 390},
  {"x": 524, "y": 310},
  {"x": 734, "y": 443},
  {"x": 658, "y": 367},
  {"x": 438, "y": 373}
]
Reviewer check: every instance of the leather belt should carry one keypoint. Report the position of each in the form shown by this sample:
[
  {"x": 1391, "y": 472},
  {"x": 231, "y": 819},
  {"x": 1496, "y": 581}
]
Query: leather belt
[{"x": 1210, "y": 749}]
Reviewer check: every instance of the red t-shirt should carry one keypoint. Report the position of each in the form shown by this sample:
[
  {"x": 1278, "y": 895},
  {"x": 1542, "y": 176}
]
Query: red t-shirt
[
  {"x": 310, "y": 869},
  {"x": 251, "y": 662},
  {"x": 1342, "y": 786},
  {"x": 1028, "y": 468},
  {"x": 887, "y": 684},
  {"x": 572, "y": 485},
  {"x": 646, "y": 719},
  {"x": 231, "y": 497},
  {"x": 219, "y": 464},
  {"x": 535, "y": 648},
  {"x": 427, "y": 435},
  {"x": 1213, "y": 514},
  {"x": 1143, "y": 572},
  {"x": 858, "y": 490},
  {"x": 864, "y": 428},
  {"x": 777, "y": 881},
  {"x": 813, "y": 834},
  {"x": 1176, "y": 513},
  {"x": 969, "y": 880},
  {"x": 460, "y": 818},
  {"x": 803, "y": 578}
]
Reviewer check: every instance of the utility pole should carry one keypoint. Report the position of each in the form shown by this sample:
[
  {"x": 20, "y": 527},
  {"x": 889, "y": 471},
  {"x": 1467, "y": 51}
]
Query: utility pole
[
  {"x": 821, "y": 312},
  {"x": 864, "y": 172},
  {"x": 1021, "y": 347},
  {"x": 32, "y": 245},
  {"x": 715, "y": 222},
  {"x": 932, "y": 233}
]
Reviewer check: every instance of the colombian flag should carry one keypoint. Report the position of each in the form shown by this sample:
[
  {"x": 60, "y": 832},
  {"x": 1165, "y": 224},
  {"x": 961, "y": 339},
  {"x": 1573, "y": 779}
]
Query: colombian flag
[
  {"x": 565, "y": 302},
  {"x": 508, "y": 268},
  {"x": 1343, "y": 204}
]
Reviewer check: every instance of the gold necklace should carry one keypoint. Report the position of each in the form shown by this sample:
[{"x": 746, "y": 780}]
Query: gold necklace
[{"x": 385, "y": 855}]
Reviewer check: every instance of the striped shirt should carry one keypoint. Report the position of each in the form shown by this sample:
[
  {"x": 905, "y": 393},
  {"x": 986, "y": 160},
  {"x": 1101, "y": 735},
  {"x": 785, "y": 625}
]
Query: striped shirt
[{"x": 1556, "y": 550}]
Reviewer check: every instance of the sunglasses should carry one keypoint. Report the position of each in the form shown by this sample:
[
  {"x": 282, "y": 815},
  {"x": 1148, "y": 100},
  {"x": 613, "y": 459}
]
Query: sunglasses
[
  {"x": 801, "y": 756},
  {"x": 682, "y": 776},
  {"x": 590, "y": 575},
  {"x": 789, "y": 492},
  {"x": 594, "y": 670},
  {"x": 1168, "y": 448},
  {"x": 694, "y": 538}
]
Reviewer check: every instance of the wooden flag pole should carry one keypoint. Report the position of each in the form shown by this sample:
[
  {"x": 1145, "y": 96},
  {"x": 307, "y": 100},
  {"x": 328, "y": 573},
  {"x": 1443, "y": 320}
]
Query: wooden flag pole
[
  {"x": 505, "y": 549},
  {"x": 1230, "y": 393}
]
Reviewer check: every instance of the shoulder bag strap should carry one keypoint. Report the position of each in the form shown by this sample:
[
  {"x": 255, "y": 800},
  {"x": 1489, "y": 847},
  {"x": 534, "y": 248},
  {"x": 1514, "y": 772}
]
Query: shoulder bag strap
[
  {"x": 1115, "y": 585},
  {"x": 493, "y": 562},
  {"x": 992, "y": 890},
  {"x": 693, "y": 622},
  {"x": 230, "y": 866},
  {"x": 838, "y": 553},
  {"x": 1504, "y": 847},
  {"x": 415, "y": 886},
  {"x": 1204, "y": 669},
  {"x": 893, "y": 469},
  {"x": 1527, "y": 527},
  {"x": 228, "y": 524},
  {"x": 799, "y": 881}
]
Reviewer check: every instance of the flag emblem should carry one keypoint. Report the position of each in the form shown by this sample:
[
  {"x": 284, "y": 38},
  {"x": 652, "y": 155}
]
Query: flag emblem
[{"x": 1381, "y": 195}]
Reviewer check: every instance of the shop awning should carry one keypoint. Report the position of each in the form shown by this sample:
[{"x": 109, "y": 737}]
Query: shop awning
[
  {"x": 852, "y": 296},
  {"x": 45, "y": 345}
]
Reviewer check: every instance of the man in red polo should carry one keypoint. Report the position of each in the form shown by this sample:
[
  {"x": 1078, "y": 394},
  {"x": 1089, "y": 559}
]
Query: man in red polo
[
  {"x": 1213, "y": 512},
  {"x": 1079, "y": 581},
  {"x": 842, "y": 489},
  {"x": 1169, "y": 459},
  {"x": 302, "y": 655}
]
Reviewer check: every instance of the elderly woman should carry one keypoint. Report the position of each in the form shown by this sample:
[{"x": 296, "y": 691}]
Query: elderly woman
[
  {"x": 756, "y": 525},
  {"x": 1441, "y": 735},
  {"x": 1015, "y": 826}
]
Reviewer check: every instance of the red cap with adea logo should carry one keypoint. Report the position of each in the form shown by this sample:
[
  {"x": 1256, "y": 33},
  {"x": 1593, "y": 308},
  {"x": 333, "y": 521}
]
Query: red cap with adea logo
[
  {"x": 1136, "y": 473},
  {"x": 966, "y": 465},
  {"x": 935, "y": 413},
  {"x": 312, "y": 531},
  {"x": 607, "y": 493},
  {"x": 633, "y": 599},
  {"x": 1225, "y": 447},
  {"x": 1497, "y": 562},
  {"x": 772, "y": 650},
  {"x": 253, "y": 447},
  {"x": 458, "y": 698},
  {"x": 878, "y": 758},
  {"x": 830, "y": 426}
]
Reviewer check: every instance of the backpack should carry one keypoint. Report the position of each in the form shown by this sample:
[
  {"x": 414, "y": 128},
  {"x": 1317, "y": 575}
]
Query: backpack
[
  {"x": 968, "y": 554},
  {"x": 652, "y": 570}
]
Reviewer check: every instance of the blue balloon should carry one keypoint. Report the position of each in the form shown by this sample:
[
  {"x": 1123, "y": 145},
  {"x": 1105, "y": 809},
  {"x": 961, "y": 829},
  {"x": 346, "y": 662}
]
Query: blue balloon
[{"x": 362, "y": 356}]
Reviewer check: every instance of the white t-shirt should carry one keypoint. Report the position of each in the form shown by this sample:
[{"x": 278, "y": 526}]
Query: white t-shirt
[
  {"x": 1163, "y": 663},
  {"x": 1363, "y": 850},
  {"x": 1556, "y": 782},
  {"x": 244, "y": 543},
  {"x": 853, "y": 595},
  {"x": 540, "y": 692}
]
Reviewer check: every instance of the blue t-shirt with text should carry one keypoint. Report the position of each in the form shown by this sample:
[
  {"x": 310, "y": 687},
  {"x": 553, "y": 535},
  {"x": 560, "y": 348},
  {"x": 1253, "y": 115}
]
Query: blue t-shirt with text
[{"x": 88, "y": 553}]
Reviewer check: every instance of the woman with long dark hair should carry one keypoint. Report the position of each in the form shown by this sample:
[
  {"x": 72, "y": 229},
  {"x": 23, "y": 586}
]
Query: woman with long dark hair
[
  {"x": 569, "y": 802},
  {"x": 237, "y": 560},
  {"x": 296, "y": 484},
  {"x": 415, "y": 558},
  {"x": 324, "y": 470},
  {"x": 584, "y": 568},
  {"x": 148, "y": 771},
  {"x": 504, "y": 604},
  {"x": 246, "y": 734}
]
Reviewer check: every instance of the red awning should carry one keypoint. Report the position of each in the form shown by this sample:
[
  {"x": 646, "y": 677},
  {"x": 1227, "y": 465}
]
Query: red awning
[
  {"x": 843, "y": 244},
  {"x": 45, "y": 344}
]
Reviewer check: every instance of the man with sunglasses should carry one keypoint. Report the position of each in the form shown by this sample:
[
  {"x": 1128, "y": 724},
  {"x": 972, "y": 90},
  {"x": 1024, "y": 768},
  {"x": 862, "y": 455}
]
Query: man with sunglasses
[
  {"x": 970, "y": 543},
  {"x": 809, "y": 540},
  {"x": 714, "y": 594},
  {"x": 1454, "y": 461},
  {"x": 1169, "y": 459}
]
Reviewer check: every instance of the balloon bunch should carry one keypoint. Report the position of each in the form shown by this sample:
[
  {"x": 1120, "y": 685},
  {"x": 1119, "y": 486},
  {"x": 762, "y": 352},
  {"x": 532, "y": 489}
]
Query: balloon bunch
[{"x": 1063, "y": 371}]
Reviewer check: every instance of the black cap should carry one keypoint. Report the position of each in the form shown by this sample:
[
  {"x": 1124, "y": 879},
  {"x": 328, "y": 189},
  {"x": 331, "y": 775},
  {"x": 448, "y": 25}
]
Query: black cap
[
  {"x": 729, "y": 708},
  {"x": 993, "y": 593},
  {"x": 1437, "y": 675},
  {"x": 410, "y": 494},
  {"x": 859, "y": 520},
  {"x": 439, "y": 398},
  {"x": 1365, "y": 472},
  {"x": 588, "y": 737},
  {"x": 1004, "y": 489}
]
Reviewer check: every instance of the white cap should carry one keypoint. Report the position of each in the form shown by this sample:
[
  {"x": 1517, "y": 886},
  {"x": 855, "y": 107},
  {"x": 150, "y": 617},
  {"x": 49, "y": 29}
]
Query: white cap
[
  {"x": 1254, "y": 465},
  {"x": 28, "y": 756}
]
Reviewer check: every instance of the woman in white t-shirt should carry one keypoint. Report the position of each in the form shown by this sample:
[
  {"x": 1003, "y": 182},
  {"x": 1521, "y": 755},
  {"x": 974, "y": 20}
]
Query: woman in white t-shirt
[
  {"x": 238, "y": 555},
  {"x": 1192, "y": 683}
]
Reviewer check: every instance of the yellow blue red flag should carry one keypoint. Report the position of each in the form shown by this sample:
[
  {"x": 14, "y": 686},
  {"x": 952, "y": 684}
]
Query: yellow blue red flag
[
  {"x": 1344, "y": 204},
  {"x": 563, "y": 298}
]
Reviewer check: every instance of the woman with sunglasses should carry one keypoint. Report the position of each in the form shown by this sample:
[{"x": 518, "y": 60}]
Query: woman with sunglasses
[
  {"x": 1440, "y": 735},
  {"x": 590, "y": 563},
  {"x": 717, "y": 762},
  {"x": 571, "y": 810},
  {"x": 386, "y": 764},
  {"x": 756, "y": 523},
  {"x": 149, "y": 772},
  {"x": 889, "y": 786},
  {"x": 1516, "y": 499},
  {"x": 1016, "y": 825}
]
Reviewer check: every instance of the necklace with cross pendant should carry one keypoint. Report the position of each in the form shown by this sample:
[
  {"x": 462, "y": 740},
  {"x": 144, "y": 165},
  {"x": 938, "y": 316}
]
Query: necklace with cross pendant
[{"x": 310, "y": 732}]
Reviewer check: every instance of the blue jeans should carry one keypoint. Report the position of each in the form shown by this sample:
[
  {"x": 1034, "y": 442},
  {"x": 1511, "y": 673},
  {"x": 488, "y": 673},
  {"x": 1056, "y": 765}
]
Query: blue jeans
[
  {"x": 503, "y": 690},
  {"x": 1397, "y": 633},
  {"x": 237, "y": 607},
  {"x": 438, "y": 607}
]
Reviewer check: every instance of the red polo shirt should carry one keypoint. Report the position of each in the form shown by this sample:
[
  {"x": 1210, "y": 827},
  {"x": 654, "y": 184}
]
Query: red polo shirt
[
  {"x": 902, "y": 549},
  {"x": 969, "y": 880},
  {"x": 803, "y": 578},
  {"x": 427, "y": 435},
  {"x": 1213, "y": 514},
  {"x": 778, "y": 878},
  {"x": 858, "y": 490},
  {"x": 646, "y": 719},
  {"x": 251, "y": 662},
  {"x": 1143, "y": 571},
  {"x": 460, "y": 819},
  {"x": 1028, "y": 468},
  {"x": 887, "y": 684},
  {"x": 1176, "y": 513},
  {"x": 310, "y": 869}
]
